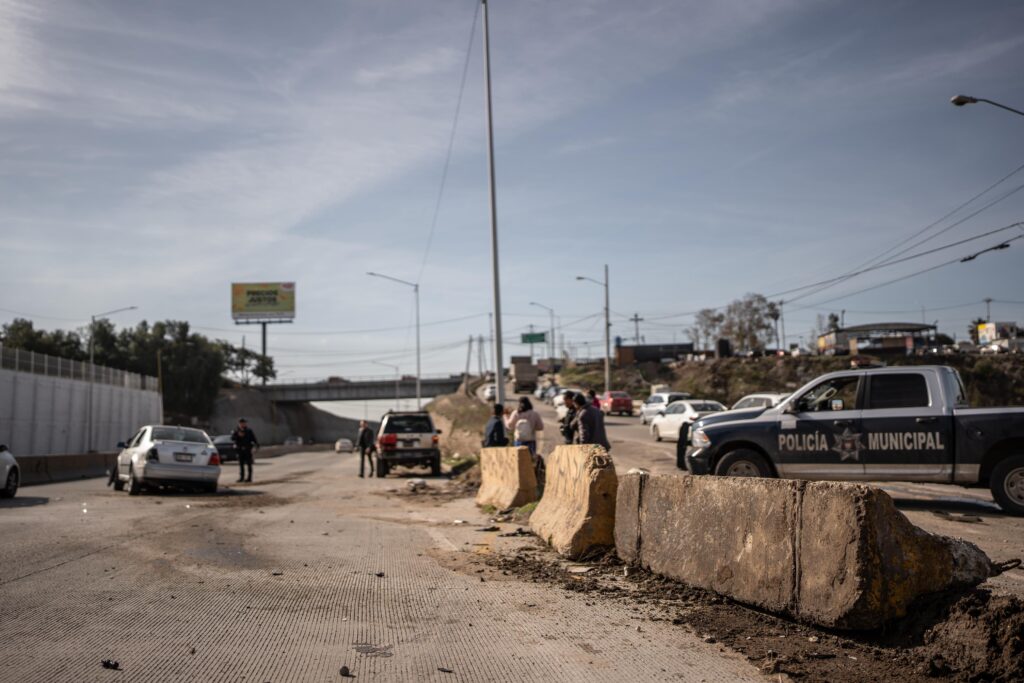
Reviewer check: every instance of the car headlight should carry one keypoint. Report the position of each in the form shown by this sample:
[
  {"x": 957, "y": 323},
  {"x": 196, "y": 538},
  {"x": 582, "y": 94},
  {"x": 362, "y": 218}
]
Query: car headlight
[{"x": 699, "y": 439}]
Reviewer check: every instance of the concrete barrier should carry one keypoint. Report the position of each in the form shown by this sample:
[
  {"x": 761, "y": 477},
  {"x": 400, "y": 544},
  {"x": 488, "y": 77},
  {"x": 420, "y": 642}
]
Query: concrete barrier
[
  {"x": 835, "y": 554},
  {"x": 43, "y": 469},
  {"x": 507, "y": 477},
  {"x": 577, "y": 512}
]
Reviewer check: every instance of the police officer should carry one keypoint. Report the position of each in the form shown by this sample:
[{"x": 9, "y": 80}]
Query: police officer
[
  {"x": 364, "y": 442},
  {"x": 245, "y": 440}
]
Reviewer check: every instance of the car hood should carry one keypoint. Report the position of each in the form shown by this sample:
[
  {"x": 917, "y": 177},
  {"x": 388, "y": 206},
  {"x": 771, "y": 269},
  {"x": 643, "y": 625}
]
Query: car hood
[{"x": 729, "y": 416}]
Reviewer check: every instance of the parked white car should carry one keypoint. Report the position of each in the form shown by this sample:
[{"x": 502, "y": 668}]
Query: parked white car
[
  {"x": 490, "y": 392},
  {"x": 344, "y": 446},
  {"x": 674, "y": 422},
  {"x": 657, "y": 402},
  {"x": 759, "y": 401},
  {"x": 161, "y": 455},
  {"x": 11, "y": 473}
]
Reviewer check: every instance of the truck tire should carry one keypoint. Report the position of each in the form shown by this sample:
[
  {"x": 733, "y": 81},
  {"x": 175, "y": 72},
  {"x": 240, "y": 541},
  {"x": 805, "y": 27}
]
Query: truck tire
[
  {"x": 435, "y": 466},
  {"x": 1007, "y": 484},
  {"x": 382, "y": 469},
  {"x": 743, "y": 462}
]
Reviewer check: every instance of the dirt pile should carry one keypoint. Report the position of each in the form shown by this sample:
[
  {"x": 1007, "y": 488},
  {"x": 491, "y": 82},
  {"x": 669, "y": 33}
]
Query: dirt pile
[
  {"x": 971, "y": 637},
  {"x": 461, "y": 419}
]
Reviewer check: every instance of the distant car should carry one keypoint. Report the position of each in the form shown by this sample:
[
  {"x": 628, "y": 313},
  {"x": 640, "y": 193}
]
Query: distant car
[
  {"x": 408, "y": 438},
  {"x": 675, "y": 421},
  {"x": 293, "y": 441},
  {"x": 10, "y": 471},
  {"x": 616, "y": 402},
  {"x": 551, "y": 392},
  {"x": 344, "y": 446},
  {"x": 759, "y": 401},
  {"x": 163, "y": 455},
  {"x": 657, "y": 402},
  {"x": 490, "y": 392},
  {"x": 225, "y": 447}
]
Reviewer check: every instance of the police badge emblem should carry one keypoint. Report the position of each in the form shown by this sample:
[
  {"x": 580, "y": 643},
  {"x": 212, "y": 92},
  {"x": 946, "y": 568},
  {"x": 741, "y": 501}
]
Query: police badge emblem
[{"x": 848, "y": 446}]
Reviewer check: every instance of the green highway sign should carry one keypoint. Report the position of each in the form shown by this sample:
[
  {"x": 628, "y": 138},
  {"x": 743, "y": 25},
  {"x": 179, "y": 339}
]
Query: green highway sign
[{"x": 534, "y": 338}]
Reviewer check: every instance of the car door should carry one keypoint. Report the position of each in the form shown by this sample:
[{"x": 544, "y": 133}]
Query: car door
[
  {"x": 819, "y": 436},
  {"x": 669, "y": 425},
  {"x": 907, "y": 429},
  {"x": 652, "y": 405}
]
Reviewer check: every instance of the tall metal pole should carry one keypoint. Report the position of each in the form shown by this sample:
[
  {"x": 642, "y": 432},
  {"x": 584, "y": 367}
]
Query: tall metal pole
[
  {"x": 499, "y": 375},
  {"x": 551, "y": 312},
  {"x": 782, "y": 319},
  {"x": 263, "y": 333},
  {"x": 607, "y": 336},
  {"x": 988, "y": 309},
  {"x": 419, "y": 401},
  {"x": 92, "y": 379}
]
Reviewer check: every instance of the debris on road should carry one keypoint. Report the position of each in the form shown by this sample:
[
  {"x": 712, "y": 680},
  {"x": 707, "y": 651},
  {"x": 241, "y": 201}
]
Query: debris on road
[
  {"x": 489, "y": 528},
  {"x": 276, "y": 572},
  {"x": 111, "y": 664},
  {"x": 445, "y": 671},
  {"x": 416, "y": 484},
  {"x": 346, "y": 673},
  {"x": 518, "y": 532},
  {"x": 379, "y": 575}
]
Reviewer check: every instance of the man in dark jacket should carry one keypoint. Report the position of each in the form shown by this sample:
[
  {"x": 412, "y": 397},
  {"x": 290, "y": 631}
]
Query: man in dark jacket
[
  {"x": 364, "y": 442},
  {"x": 494, "y": 432},
  {"x": 567, "y": 425},
  {"x": 590, "y": 423},
  {"x": 245, "y": 441}
]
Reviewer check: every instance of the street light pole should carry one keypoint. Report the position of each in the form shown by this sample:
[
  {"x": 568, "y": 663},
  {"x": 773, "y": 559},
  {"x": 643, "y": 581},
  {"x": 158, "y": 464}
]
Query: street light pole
[
  {"x": 397, "y": 393},
  {"x": 607, "y": 329},
  {"x": 551, "y": 313},
  {"x": 961, "y": 100},
  {"x": 92, "y": 369},
  {"x": 499, "y": 378},
  {"x": 416, "y": 291}
]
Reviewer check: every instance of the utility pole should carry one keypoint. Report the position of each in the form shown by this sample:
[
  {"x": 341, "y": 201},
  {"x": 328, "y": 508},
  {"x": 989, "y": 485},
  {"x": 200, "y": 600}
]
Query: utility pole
[
  {"x": 988, "y": 309},
  {"x": 531, "y": 343},
  {"x": 499, "y": 379},
  {"x": 469, "y": 357},
  {"x": 782, "y": 319},
  {"x": 607, "y": 335},
  {"x": 636, "y": 319}
]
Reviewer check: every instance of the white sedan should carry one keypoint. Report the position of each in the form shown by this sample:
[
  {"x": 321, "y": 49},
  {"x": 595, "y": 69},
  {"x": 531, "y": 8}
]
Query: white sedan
[
  {"x": 11, "y": 475},
  {"x": 674, "y": 422},
  {"x": 161, "y": 455},
  {"x": 344, "y": 446}
]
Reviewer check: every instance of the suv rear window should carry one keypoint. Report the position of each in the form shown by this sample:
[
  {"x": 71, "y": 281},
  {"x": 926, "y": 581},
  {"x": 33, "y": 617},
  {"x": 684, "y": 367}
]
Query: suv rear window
[
  {"x": 408, "y": 424},
  {"x": 898, "y": 391}
]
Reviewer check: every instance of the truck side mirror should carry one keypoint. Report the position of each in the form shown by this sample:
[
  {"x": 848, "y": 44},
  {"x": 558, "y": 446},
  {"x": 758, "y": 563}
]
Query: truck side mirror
[
  {"x": 837, "y": 404},
  {"x": 3, "y": 448}
]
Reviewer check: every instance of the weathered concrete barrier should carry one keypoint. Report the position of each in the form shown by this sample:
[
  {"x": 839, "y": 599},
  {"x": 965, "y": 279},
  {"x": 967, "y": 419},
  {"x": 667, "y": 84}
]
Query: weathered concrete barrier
[
  {"x": 577, "y": 512},
  {"x": 834, "y": 554},
  {"x": 43, "y": 469},
  {"x": 507, "y": 477}
]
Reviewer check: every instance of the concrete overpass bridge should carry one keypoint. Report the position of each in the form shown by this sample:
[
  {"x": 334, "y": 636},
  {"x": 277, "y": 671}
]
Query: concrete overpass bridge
[{"x": 336, "y": 389}]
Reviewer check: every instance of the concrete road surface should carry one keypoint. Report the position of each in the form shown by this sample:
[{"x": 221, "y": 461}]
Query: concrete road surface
[
  {"x": 288, "y": 579},
  {"x": 943, "y": 509}
]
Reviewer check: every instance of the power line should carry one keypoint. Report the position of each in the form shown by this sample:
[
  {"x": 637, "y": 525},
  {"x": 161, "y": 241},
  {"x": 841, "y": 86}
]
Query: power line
[
  {"x": 327, "y": 333},
  {"x": 451, "y": 145}
]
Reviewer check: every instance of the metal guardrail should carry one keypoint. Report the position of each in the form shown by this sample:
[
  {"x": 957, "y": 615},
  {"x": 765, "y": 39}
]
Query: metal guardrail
[
  {"x": 340, "y": 381},
  {"x": 21, "y": 360}
]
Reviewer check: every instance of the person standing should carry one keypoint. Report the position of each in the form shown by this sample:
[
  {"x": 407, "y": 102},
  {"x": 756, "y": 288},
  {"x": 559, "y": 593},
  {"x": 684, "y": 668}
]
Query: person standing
[
  {"x": 245, "y": 442},
  {"x": 590, "y": 424},
  {"x": 494, "y": 432},
  {"x": 594, "y": 400},
  {"x": 525, "y": 423},
  {"x": 364, "y": 442},
  {"x": 567, "y": 425}
]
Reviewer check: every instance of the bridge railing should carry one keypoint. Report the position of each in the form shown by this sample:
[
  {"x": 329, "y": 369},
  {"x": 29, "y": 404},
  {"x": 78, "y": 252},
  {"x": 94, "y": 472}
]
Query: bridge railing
[{"x": 342, "y": 381}]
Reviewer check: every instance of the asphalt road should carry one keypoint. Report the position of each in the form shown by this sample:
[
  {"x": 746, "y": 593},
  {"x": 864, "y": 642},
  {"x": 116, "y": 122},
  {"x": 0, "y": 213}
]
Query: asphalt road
[
  {"x": 288, "y": 579},
  {"x": 942, "y": 509}
]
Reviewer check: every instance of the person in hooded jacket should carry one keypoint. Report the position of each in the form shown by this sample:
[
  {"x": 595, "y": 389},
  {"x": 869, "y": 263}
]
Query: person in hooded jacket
[{"x": 524, "y": 423}]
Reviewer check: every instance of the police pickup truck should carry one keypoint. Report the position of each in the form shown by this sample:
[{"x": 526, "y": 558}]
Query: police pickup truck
[{"x": 877, "y": 424}]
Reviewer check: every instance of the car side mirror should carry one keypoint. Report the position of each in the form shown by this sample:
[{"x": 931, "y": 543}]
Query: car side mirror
[
  {"x": 836, "y": 404},
  {"x": 3, "y": 448},
  {"x": 122, "y": 444}
]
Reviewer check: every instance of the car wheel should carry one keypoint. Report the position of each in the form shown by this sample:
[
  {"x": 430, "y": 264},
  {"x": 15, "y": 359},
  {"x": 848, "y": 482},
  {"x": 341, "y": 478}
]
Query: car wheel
[
  {"x": 10, "y": 488},
  {"x": 134, "y": 486},
  {"x": 1007, "y": 484},
  {"x": 743, "y": 463},
  {"x": 657, "y": 434}
]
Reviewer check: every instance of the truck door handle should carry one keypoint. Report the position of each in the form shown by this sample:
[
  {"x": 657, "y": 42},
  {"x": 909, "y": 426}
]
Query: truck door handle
[
  {"x": 843, "y": 423},
  {"x": 923, "y": 420}
]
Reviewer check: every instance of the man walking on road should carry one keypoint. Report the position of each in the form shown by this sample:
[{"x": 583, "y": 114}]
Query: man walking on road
[
  {"x": 364, "y": 442},
  {"x": 245, "y": 441},
  {"x": 590, "y": 423}
]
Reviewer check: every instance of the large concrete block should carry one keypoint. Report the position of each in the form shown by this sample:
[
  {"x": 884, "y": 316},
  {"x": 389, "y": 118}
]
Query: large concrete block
[
  {"x": 834, "y": 554},
  {"x": 577, "y": 512},
  {"x": 507, "y": 477}
]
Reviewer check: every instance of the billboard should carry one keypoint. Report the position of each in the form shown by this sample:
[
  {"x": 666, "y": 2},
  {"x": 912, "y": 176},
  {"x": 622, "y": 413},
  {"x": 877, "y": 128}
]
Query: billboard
[
  {"x": 986, "y": 333},
  {"x": 262, "y": 300}
]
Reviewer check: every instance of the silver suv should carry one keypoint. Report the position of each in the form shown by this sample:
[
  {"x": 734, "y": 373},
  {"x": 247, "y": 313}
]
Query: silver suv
[{"x": 408, "y": 438}]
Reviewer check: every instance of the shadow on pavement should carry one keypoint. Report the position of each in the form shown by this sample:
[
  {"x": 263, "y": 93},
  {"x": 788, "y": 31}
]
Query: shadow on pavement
[
  {"x": 944, "y": 506},
  {"x": 23, "y": 502}
]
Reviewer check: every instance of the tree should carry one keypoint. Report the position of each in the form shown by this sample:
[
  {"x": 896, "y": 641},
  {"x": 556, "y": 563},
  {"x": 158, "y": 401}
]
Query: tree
[
  {"x": 707, "y": 326},
  {"x": 245, "y": 364},
  {"x": 748, "y": 323}
]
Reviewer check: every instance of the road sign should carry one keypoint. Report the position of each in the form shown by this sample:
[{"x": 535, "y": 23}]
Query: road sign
[{"x": 534, "y": 338}]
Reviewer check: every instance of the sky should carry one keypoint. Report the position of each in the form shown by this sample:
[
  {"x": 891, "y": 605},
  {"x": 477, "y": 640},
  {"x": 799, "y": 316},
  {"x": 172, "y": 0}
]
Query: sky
[{"x": 156, "y": 152}]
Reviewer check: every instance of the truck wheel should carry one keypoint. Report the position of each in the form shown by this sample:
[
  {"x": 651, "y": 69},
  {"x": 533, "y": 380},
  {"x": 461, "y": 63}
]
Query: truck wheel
[
  {"x": 743, "y": 463},
  {"x": 435, "y": 466},
  {"x": 1007, "y": 484},
  {"x": 382, "y": 469}
]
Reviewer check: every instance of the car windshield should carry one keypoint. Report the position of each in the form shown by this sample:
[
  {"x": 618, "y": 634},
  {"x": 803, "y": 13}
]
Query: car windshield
[
  {"x": 706, "y": 406},
  {"x": 180, "y": 434},
  {"x": 406, "y": 424}
]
